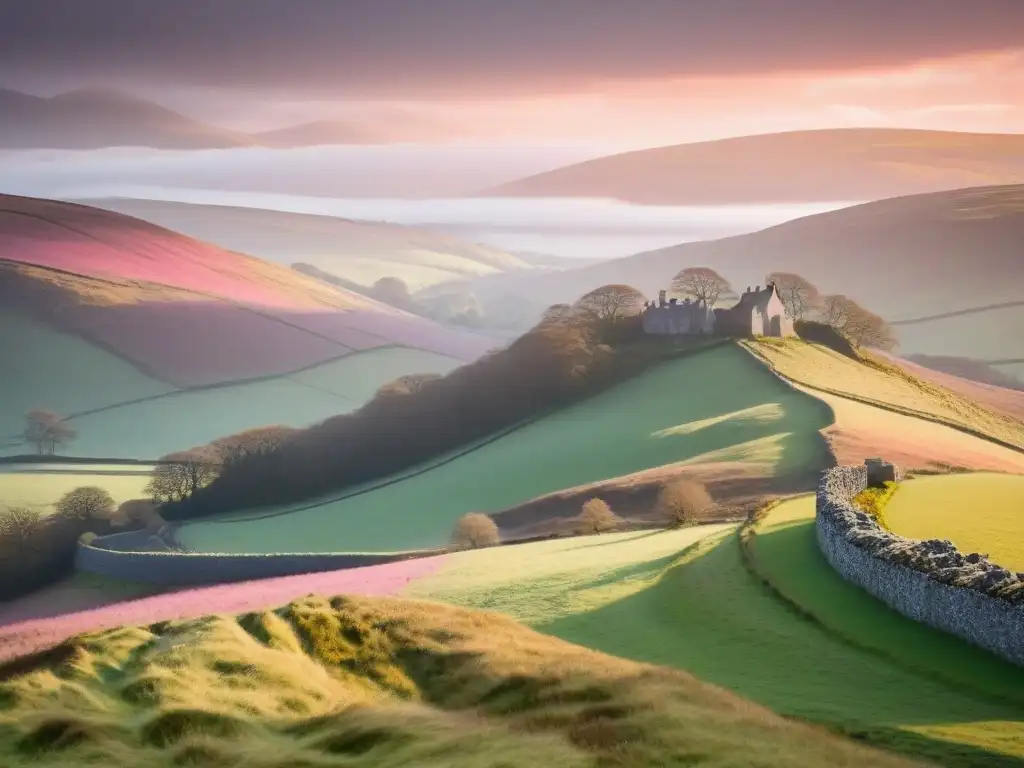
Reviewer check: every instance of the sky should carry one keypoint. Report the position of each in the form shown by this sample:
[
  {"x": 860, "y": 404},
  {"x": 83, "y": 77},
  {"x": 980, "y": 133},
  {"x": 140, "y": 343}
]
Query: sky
[{"x": 635, "y": 73}]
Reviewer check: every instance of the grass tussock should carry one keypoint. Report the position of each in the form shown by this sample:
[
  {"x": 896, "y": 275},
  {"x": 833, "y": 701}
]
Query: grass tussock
[
  {"x": 873, "y": 501},
  {"x": 384, "y": 683}
]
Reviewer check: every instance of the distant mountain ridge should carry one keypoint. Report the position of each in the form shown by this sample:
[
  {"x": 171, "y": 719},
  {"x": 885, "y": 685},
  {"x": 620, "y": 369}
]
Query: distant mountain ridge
[
  {"x": 100, "y": 118},
  {"x": 93, "y": 119},
  {"x": 828, "y": 165}
]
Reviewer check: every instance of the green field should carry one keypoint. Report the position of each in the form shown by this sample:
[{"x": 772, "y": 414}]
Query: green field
[
  {"x": 38, "y": 485},
  {"x": 786, "y": 553},
  {"x": 42, "y": 368},
  {"x": 70, "y": 376},
  {"x": 651, "y": 597},
  {"x": 977, "y": 512},
  {"x": 719, "y": 405}
]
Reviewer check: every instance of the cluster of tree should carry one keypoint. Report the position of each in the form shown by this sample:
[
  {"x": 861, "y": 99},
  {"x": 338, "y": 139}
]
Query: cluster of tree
[
  {"x": 456, "y": 307},
  {"x": 46, "y": 431},
  {"x": 572, "y": 352},
  {"x": 38, "y": 549},
  {"x": 805, "y": 303}
]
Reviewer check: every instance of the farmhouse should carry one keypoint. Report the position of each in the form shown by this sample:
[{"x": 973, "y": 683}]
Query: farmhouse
[
  {"x": 675, "y": 318},
  {"x": 760, "y": 312}
]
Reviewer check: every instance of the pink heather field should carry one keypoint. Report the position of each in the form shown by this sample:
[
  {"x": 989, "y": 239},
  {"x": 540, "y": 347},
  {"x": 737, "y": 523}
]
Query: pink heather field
[
  {"x": 22, "y": 633},
  {"x": 46, "y": 235}
]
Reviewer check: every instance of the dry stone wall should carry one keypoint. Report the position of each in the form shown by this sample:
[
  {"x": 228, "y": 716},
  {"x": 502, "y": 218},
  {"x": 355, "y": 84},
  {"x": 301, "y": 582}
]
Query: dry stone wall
[
  {"x": 141, "y": 557},
  {"x": 928, "y": 581}
]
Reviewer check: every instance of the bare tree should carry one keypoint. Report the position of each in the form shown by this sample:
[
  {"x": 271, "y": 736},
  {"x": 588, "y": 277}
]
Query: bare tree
[
  {"x": 610, "y": 303},
  {"x": 860, "y": 326},
  {"x": 597, "y": 517},
  {"x": 683, "y": 502},
  {"x": 559, "y": 315},
  {"x": 179, "y": 475},
  {"x": 701, "y": 284},
  {"x": 474, "y": 531},
  {"x": 866, "y": 329},
  {"x": 89, "y": 502},
  {"x": 800, "y": 296},
  {"x": 47, "y": 431},
  {"x": 259, "y": 440}
]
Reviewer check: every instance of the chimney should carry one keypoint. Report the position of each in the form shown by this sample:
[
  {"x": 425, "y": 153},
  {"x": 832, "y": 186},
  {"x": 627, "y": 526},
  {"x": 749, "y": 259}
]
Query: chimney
[
  {"x": 748, "y": 289},
  {"x": 758, "y": 289},
  {"x": 661, "y": 298}
]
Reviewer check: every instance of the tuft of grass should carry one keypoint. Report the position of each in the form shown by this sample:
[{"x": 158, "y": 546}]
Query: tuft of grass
[
  {"x": 873, "y": 500},
  {"x": 480, "y": 691}
]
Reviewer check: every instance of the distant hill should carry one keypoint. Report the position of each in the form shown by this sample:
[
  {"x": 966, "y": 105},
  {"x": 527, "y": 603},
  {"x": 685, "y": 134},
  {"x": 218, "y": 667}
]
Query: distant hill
[
  {"x": 98, "y": 118},
  {"x": 906, "y": 258},
  {"x": 359, "y": 251},
  {"x": 849, "y": 164},
  {"x": 189, "y": 312},
  {"x": 402, "y": 128},
  {"x": 92, "y": 119}
]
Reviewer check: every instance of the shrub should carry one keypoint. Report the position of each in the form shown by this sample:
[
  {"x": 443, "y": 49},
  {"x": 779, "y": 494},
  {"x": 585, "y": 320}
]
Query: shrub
[
  {"x": 597, "y": 517},
  {"x": 475, "y": 530},
  {"x": 87, "y": 538},
  {"x": 873, "y": 500},
  {"x": 86, "y": 503},
  {"x": 683, "y": 502}
]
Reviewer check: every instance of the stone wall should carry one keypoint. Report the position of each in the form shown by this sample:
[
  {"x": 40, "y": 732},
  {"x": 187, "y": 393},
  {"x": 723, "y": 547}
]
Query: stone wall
[
  {"x": 136, "y": 556},
  {"x": 928, "y": 581}
]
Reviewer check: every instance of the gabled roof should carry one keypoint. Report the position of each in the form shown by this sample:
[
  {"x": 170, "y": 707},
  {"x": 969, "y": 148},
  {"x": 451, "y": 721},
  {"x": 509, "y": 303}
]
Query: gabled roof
[{"x": 755, "y": 300}]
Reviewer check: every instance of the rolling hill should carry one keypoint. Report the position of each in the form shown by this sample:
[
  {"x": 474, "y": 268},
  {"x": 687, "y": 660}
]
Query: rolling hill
[
  {"x": 111, "y": 319},
  {"x": 93, "y": 119},
  {"x": 360, "y": 251},
  {"x": 831, "y": 165},
  {"x": 945, "y": 266}
]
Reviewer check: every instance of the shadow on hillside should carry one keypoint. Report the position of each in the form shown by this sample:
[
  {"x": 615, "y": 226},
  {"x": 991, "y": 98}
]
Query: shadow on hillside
[{"x": 708, "y": 616}]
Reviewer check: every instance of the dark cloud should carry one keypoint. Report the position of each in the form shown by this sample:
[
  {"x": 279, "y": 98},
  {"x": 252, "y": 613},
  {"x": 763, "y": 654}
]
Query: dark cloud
[{"x": 431, "y": 47}]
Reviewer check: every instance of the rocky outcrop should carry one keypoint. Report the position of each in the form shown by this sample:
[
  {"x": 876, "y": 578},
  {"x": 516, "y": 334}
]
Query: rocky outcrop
[{"x": 928, "y": 581}]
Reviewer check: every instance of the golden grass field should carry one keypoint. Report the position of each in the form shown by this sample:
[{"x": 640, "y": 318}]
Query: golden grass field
[
  {"x": 41, "y": 486},
  {"x": 381, "y": 682},
  {"x": 977, "y": 512},
  {"x": 879, "y": 381}
]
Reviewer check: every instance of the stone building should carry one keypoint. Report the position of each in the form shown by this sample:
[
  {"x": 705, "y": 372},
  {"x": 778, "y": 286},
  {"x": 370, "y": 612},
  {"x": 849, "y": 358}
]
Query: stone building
[
  {"x": 759, "y": 312},
  {"x": 677, "y": 318}
]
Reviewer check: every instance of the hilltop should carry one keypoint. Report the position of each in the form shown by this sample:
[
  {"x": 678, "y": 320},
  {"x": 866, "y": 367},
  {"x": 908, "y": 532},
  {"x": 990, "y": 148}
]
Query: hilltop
[
  {"x": 93, "y": 119},
  {"x": 111, "y": 315},
  {"x": 920, "y": 261},
  {"x": 360, "y": 251},
  {"x": 793, "y": 167}
]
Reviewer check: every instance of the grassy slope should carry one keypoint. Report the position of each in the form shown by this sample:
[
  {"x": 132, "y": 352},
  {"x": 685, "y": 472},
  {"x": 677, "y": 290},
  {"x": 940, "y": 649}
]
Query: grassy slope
[
  {"x": 64, "y": 373},
  {"x": 645, "y": 597},
  {"x": 786, "y": 554},
  {"x": 358, "y": 681},
  {"x": 977, "y": 512},
  {"x": 992, "y": 335},
  {"x": 880, "y": 381},
  {"x": 46, "y": 369},
  {"x": 674, "y": 413},
  {"x": 39, "y": 486},
  {"x": 357, "y": 250}
]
